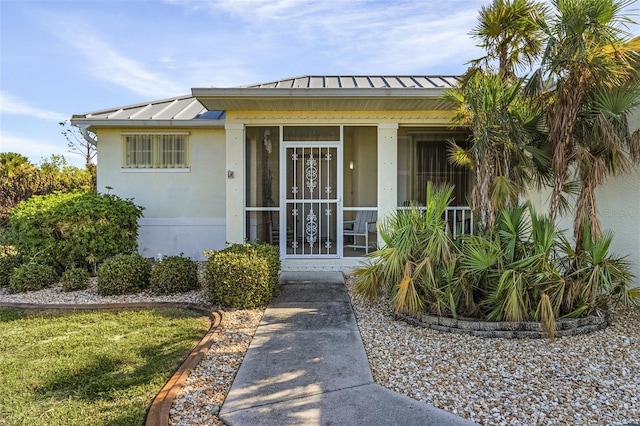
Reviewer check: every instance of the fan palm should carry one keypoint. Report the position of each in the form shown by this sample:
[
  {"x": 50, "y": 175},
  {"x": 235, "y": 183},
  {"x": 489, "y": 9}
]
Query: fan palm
[
  {"x": 604, "y": 146},
  {"x": 505, "y": 150},
  {"x": 587, "y": 48},
  {"x": 416, "y": 246},
  {"x": 509, "y": 33}
]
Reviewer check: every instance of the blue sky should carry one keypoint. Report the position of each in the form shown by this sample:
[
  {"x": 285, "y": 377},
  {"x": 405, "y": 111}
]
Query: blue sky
[{"x": 59, "y": 58}]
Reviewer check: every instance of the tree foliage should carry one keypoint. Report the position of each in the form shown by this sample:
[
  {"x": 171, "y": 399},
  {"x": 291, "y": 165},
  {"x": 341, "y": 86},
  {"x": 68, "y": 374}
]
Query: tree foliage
[
  {"x": 588, "y": 49},
  {"x": 20, "y": 179},
  {"x": 576, "y": 105},
  {"x": 506, "y": 151}
]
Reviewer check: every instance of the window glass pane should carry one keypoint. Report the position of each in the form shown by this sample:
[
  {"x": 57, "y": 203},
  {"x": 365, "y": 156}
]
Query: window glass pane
[
  {"x": 422, "y": 158},
  {"x": 311, "y": 133},
  {"x": 154, "y": 151},
  {"x": 360, "y": 167},
  {"x": 263, "y": 227},
  {"x": 263, "y": 166}
]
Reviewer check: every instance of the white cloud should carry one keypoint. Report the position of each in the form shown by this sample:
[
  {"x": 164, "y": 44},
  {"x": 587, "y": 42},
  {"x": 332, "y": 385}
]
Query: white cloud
[
  {"x": 108, "y": 63},
  {"x": 350, "y": 36},
  {"x": 10, "y": 105}
]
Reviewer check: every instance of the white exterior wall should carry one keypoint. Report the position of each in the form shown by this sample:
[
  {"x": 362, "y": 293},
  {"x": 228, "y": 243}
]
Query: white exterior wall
[
  {"x": 184, "y": 209},
  {"x": 619, "y": 210}
]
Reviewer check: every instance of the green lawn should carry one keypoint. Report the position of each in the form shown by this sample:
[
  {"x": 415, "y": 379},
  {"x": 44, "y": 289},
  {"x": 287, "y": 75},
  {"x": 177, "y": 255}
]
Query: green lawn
[{"x": 89, "y": 368}]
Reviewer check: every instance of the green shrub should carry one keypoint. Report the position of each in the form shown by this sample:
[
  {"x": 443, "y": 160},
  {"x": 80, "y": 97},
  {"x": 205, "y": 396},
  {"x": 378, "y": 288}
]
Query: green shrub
[
  {"x": 75, "y": 279},
  {"x": 522, "y": 269},
  {"x": 268, "y": 252},
  {"x": 174, "y": 274},
  {"x": 239, "y": 280},
  {"x": 8, "y": 262},
  {"x": 31, "y": 277},
  {"x": 74, "y": 229},
  {"x": 123, "y": 274}
]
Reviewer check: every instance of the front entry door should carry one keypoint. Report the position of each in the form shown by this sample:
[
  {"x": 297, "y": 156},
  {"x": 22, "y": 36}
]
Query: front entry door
[{"x": 311, "y": 200}]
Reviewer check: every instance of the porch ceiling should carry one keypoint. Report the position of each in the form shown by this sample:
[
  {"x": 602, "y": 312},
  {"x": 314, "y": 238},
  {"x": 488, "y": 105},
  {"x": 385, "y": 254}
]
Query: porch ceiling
[{"x": 277, "y": 99}]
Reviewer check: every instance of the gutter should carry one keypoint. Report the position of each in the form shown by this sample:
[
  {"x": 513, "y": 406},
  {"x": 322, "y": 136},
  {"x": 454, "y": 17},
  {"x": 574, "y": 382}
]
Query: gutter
[
  {"x": 217, "y": 93},
  {"x": 84, "y": 130},
  {"x": 90, "y": 123}
]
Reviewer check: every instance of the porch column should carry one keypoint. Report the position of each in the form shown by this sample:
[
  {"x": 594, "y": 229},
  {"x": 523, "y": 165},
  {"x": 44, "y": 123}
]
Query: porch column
[
  {"x": 387, "y": 170},
  {"x": 235, "y": 176}
]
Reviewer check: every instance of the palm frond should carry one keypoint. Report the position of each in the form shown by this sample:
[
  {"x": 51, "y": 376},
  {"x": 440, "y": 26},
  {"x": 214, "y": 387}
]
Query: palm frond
[{"x": 545, "y": 314}]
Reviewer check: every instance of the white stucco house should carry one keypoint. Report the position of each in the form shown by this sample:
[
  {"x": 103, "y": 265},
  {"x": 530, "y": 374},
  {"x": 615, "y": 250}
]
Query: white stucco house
[{"x": 290, "y": 162}]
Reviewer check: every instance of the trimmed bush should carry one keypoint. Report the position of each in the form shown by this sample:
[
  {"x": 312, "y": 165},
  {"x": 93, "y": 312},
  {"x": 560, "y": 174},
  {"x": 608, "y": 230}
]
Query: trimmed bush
[
  {"x": 75, "y": 279},
  {"x": 269, "y": 253},
  {"x": 8, "y": 262},
  {"x": 74, "y": 229},
  {"x": 174, "y": 274},
  {"x": 31, "y": 277},
  {"x": 239, "y": 280},
  {"x": 123, "y": 274}
]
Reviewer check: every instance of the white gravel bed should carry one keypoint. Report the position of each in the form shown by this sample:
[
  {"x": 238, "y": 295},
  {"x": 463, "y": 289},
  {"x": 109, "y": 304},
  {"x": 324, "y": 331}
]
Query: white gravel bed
[
  {"x": 199, "y": 401},
  {"x": 591, "y": 379},
  {"x": 55, "y": 295}
]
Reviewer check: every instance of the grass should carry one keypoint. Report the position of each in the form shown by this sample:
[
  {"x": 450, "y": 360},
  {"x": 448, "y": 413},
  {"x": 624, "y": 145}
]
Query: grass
[{"x": 89, "y": 368}]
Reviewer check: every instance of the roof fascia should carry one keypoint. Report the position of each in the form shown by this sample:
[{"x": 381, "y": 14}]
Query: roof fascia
[
  {"x": 316, "y": 93},
  {"x": 199, "y": 123}
]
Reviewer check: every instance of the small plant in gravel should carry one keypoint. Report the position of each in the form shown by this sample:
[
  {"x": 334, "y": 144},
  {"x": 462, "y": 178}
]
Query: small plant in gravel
[
  {"x": 32, "y": 277},
  {"x": 75, "y": 279},
  {"x": 123, "y": 274},
  {"x": 174, "y": 274},
  {"x": 239, "y": 280}
]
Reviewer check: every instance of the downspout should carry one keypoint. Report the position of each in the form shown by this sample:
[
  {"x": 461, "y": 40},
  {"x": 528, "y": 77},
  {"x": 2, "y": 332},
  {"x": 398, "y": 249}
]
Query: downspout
[{"x": 84, "y": 130}]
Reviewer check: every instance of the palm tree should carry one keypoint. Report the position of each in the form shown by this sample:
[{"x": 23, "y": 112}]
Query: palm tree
[
  {"x": 505, "y": 134},
  {"x": 604, "y": 146},
  {"x": 504, "y": 123},
  {"x": 509, "y": 33},
  {"x": 586, "y": 49}
]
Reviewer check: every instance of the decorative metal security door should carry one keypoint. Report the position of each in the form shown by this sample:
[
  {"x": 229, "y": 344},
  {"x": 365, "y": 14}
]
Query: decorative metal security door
[{"x": 312, "y": 195}]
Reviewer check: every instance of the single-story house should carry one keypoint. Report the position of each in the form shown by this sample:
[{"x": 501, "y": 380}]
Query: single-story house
[{"x": 307, "y": 163}]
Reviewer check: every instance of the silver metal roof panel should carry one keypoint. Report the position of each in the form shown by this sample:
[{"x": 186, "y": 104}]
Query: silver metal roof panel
[{"x": 358, "y": 81}]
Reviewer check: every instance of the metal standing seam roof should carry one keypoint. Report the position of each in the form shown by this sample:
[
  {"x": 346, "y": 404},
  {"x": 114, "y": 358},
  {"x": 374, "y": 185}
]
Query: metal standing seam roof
[
  {"x": 178, "y": 108},
  {"x": 360, "y": 82},
  {"x": 190, "y": 107}
]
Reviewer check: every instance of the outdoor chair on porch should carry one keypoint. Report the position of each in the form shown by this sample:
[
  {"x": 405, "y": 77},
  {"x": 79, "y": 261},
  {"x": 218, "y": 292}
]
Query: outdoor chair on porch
[
  {"x": 360, "y": 229},
  {"x": 274, "y": 230}
]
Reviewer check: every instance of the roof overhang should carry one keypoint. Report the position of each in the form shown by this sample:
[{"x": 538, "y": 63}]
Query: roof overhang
[
  {"x": 149, "y": 123},
  {"x": 322, "y": 99}
]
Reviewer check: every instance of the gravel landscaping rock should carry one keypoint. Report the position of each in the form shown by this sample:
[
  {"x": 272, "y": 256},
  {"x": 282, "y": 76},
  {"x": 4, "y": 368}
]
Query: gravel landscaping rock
[
  {"x": 90, "y": 296},
  {"x": 199, "y": 401},
  {"x": 591, "y": 379}
]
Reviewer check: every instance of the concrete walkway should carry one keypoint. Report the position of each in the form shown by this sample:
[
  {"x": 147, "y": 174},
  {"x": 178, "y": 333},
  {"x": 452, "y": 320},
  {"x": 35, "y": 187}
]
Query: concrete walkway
[{"x": 307, "y": 366}]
